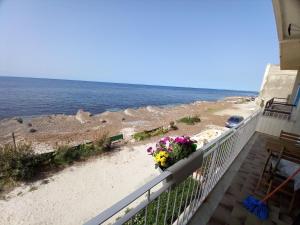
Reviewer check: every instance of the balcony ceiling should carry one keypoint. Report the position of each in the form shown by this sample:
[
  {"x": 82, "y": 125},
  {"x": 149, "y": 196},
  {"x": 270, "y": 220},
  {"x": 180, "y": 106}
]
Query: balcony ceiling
[{"x": 287, "y": 15}]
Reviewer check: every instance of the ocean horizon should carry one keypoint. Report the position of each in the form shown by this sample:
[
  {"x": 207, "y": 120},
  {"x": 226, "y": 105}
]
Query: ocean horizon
[{"x": 21, "y": 96}]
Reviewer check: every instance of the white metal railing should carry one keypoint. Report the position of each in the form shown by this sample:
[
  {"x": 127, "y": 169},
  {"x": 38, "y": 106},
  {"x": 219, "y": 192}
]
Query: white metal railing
[{"x": 175, "y": 195}]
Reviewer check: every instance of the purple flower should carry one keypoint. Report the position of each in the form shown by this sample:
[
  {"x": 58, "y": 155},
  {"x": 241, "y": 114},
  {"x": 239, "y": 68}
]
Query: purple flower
[
  {"x": 165, "y": 139},
  {"x": 150, "y": 150},
  {"x": 162, "y": 142}
]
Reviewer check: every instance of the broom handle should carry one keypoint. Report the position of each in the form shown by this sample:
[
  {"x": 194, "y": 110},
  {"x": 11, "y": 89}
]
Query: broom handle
[{"x": 280, "y": 186}]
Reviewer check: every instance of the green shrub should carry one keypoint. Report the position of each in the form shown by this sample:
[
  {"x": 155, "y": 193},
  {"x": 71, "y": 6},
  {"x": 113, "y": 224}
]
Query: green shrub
[
  {"x": 63, "y": 155},
  {"x": 148, "y": 134},
  {"x": 16, "y": 162},
  {"x": 102, "y": 142},
  {"x": 190, "y": 120},
  {"x": 21, "y": 164},
  {"x": 141, "y": 136}
]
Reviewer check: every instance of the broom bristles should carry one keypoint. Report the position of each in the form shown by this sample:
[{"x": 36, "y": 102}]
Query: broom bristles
[{"x": 257, "y": 207}]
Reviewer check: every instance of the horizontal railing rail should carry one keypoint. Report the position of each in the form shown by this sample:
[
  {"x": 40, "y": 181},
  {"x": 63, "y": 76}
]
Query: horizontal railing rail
[
  {"x": 175, "y": 195},
  {"x": 279, "y": 108}
]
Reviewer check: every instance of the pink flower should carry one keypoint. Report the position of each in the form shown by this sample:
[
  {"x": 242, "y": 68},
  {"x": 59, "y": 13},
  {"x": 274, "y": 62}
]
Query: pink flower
[{"x": 181, "y": 140}]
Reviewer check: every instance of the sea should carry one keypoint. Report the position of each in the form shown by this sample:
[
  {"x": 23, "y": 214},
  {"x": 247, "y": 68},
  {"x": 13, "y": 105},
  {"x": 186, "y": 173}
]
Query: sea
[{"x": 35, "y": 96}]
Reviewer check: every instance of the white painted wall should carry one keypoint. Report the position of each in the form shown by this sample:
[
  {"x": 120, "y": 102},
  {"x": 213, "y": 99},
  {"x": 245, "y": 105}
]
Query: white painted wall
[
  {"x": 273, "y": 126},
  {"x": 276, "y": 83}
]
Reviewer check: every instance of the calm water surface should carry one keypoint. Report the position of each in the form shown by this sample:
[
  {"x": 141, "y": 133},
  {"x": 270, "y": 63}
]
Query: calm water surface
[{"x": 30, "y": 96}]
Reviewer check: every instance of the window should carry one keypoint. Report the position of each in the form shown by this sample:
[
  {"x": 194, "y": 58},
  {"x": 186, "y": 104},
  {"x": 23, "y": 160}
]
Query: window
[{"x": 297, "y": 96}]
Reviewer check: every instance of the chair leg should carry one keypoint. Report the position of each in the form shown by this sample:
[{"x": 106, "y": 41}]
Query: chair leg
[
  {"x": 270, "y": 186},
  {"x": 292, "y": 202},
  {"x": 262, "y": 173}
]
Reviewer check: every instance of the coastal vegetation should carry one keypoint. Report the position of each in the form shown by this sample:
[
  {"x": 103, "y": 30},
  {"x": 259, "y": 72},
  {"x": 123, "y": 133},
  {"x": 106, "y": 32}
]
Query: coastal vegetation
[
  {"x": 170, "y": 204},
  {"x": 190, "y": 120},
  {"x": 18, "y": 163},
  {"x": 140, "y": 136},
  {"x": 211, "y": 110}
]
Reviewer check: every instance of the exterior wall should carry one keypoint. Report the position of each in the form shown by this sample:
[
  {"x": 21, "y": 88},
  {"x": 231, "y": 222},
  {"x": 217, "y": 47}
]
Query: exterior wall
[
  {"x": 273, "y": 126},
  {"x": 282, "y": 84},
  {"x": 276, "y": 83}
]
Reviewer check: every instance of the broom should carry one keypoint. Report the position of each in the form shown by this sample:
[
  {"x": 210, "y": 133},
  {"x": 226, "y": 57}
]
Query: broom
[{"x": 259, "y": 207}]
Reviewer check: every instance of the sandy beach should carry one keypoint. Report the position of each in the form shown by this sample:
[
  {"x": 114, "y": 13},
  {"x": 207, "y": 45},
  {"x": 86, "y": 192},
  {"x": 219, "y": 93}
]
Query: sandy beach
[{"x": 81, "y": 191}]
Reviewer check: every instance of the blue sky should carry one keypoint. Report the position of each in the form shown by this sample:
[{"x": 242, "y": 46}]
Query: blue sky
[{"x": 209, "y": 44}]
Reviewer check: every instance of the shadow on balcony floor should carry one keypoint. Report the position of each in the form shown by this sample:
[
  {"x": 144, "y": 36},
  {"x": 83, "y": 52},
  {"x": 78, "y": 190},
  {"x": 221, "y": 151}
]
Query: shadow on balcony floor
[{"x": 231, "y": 211}]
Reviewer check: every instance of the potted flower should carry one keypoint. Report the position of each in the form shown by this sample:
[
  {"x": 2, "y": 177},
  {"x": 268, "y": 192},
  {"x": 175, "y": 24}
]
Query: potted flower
[{"x": 169, "y": 150}]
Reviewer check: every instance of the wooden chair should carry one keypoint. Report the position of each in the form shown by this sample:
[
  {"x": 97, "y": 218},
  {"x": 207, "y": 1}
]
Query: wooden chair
[
  {"x": 286, "y": 147},
  {"x": 295, "y": 138}
]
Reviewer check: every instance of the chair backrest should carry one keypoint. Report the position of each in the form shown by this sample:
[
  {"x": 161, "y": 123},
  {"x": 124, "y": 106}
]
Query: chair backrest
[
  {"x": 291, "y": 153},
  {"x": 290, "y": 136}
]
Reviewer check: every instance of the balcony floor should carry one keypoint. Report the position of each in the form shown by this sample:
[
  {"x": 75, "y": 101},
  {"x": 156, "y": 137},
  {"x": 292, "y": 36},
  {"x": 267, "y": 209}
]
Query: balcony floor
[{"x": 230, "y": 211}]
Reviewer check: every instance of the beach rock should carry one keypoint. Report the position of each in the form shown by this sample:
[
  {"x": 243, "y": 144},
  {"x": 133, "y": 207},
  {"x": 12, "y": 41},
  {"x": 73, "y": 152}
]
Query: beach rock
[
  {"x": 83, "y": 116},
  {"x": 172, "y": 126},
  {"x": 19, "y": 120},
  {"x": 129, "y": 112},
  {"x": 32, "y": 130},
  {"x": 153, "y": 109}
]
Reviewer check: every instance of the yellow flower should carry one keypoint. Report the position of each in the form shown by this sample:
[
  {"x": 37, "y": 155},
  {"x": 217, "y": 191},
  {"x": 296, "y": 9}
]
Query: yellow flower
[
  {"x": 166, "y": 154},
  {"x": 163, "y": 154},
  {"x": 157, "y": 158},
  {"x": 161, "y": 158},
  {"x": 163, "y": 161}
]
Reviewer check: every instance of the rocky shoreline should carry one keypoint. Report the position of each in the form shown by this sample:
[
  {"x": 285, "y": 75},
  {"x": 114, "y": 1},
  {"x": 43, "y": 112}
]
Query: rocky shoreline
[{"x": 46, "y": 132}]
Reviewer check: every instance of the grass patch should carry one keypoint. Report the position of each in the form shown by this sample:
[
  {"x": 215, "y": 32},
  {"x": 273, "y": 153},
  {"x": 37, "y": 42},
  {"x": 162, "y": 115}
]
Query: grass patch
[
  {"x": 181, "y": 192},
  {"x": 148, "y": 134},
  {"x": 190, "y": 120},
  {"x": 21, "y": 164},
  {"x": 212, "y": 110}
]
